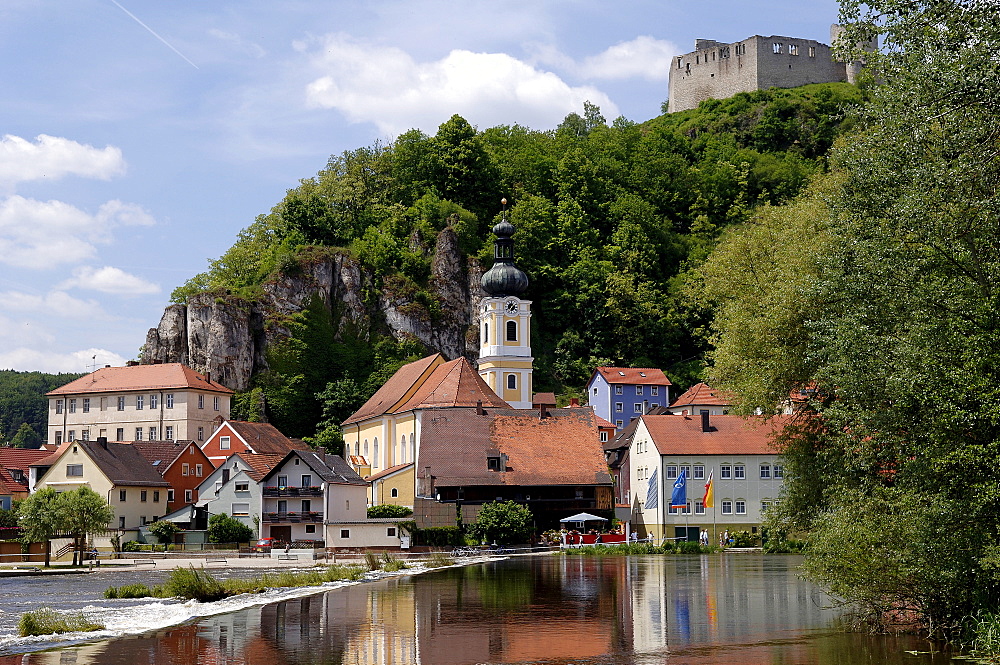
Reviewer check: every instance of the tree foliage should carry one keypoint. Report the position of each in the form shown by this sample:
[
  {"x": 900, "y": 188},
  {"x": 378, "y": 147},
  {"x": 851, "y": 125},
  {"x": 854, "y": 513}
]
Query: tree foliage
[
  {"x": 225, "y": 529},
  {"x": 503, "y": 522},
  {"x": 388, "y": 510},
  {"x": 77, "y": 513}
]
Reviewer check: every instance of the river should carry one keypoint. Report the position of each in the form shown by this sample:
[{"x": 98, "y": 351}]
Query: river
[{"x": 739, "y": 609}]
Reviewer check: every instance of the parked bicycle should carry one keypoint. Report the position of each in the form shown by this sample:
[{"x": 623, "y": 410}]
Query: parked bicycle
[{"x": 464, "y": 551}]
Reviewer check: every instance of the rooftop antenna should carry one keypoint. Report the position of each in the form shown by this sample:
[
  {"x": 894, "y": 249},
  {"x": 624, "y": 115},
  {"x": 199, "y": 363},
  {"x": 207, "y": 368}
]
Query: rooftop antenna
[{"x": 93, "y": 365}]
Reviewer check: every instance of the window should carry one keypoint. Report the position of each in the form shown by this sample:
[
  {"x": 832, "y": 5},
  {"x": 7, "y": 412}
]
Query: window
[
  {"x": 345, "y": 533},
  {"x": 142, "y": 520},
  {"x": 699, "y": 507},
  {"x": 282, "y": 481},
  {"x": 619, "y": 390},
  {"x": 168, "y": 432},
  {"x": 121, "y": 495},
  {"x": 618, "y": 424},
  {"x": 687, "y": 508},
  {"x": 170, "y": 496},
  {"x": 812, "y": 51},
  {"x": 188, "y": 496},
  {"x": 307, "y": 480},
  {"x": 512, "y": 381},
  {"x": 374, "y": 453},
  {"x": 241, "y": 509},
  {"x": 638, "y": 390},
  {"x": 85, "y": 435},
  {"x": 139, "y": 402},
  {"x": 156, "y": 496},
  {"x": 394, "y": 493},
  {"x": 152, "y": 401},
  {"x": 74, "y": 469},
  {"x": 198, "y": 469},
  {"x": 306, "y": 506},
  {"x": 215, "y": 403},
  {"x": 121, "y": 521},
  {"x": 725, "y": 471},
  {"x": 671, "y": 471},
  {"x": 201, "y": 433},
  {"x": 493, "y": 463},
  {"x": 170, "y": 400},
  {"x": 779, "y": 471},
  {"x": 699, "y": 472},
  {"x": 793, "y": 49},
  {"x": 727, "y": 507},
  {"x": 72, "y": 435},
  {"x": 310, "y": 528},
  {"x": 671, "y": 510},
  {"x": 512, "y": 331},
  {"x": 242, "y": 486},
  {"x": 143, "y": 495},
  {"x": 739, "y": 472},
  {"x": 201, "y": 401},
  {"x": 777, "y": 47},
  {"x": 686, "y": 470},
  {"x": 637, "y": 407},
  {"x": 654, "y": 390},
  {"x": 224, "y": 442},
  {"x": 390, "y": 532},
  {"x": 86, "y": 405},
  {"x": 120, "y": 434},
  {"x": 72, "y": 406},
  {"x": 765, "y": 506},
  {"x": 741, "y": 507},
  {"x": 604, "y": 437},
  {"x": 765, "y": 470},
  {"x": 104, "y": 404},
  {"x": 185, "y": 469},
  {"x": 152, "y": 434},
  {"x": 595, "y": 391},
  {"x": 59, "y": 406},
  {"x": 121, "y": 403},
  {"x": 619, "y": 407},
  {"x": 58, "y": 438}
]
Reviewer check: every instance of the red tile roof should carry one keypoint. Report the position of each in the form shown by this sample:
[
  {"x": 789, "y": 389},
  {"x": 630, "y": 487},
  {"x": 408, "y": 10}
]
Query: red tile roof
[
  {"x": 548, "y": 399},
  {"x": 633, "y": 375},
  {"x": 260, "y": 464},
  {"x": 140, "y": 377},
  {"x": 454, "y": 383},
  {"x": 392, "y": 391},
  {"x": 264, "y": 438},
  {"x": 388, "y": 472},
  {"x": 700, "y": 394},
  {"x": 21, "y": 458},
  {"x": 164, "y": 452},
  {"x": 602, "y": 423},
  {"x": 727, "y": 435}
]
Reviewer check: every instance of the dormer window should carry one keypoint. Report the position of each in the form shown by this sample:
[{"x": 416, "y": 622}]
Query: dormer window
[
  {"x": 496, "y": 461},
  {"x": 621, "y": 373}
]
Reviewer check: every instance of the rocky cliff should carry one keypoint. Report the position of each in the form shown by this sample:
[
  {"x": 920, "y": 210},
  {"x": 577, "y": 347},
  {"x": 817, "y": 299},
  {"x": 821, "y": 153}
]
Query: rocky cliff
[{"x": 228, "y": 337}]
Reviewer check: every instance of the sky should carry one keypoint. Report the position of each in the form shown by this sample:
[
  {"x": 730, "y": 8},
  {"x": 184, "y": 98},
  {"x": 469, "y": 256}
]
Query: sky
[{"x": 138, "y": 137}]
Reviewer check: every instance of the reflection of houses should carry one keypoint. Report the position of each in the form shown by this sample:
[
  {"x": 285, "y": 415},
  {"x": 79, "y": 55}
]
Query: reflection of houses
[
  {"x": 621, "y": 394},
  {"x": 116, "y": 471},
  {"x": 737, "y": 452},
  {"x": 237, "y": 436},
  {"x": 181, "y": 463},
  {"x": 137, "y": 402}
]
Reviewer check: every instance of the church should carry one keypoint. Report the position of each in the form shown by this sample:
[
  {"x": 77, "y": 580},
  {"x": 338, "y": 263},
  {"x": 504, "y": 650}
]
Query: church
[{"x": 444, "y": 437}]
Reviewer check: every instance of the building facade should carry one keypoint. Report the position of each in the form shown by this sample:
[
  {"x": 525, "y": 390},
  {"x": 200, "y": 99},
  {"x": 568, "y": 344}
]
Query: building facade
[
  {"x": 137, "y": 403},
  {"x": 622, "y": 394}
]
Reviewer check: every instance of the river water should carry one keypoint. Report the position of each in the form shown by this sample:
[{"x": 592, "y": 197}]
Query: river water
[{"x": 739, "y": 609}]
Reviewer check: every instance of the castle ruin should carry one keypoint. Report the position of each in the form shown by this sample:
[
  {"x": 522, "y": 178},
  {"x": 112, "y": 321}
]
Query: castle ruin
[{"x": 715, "y": 70}]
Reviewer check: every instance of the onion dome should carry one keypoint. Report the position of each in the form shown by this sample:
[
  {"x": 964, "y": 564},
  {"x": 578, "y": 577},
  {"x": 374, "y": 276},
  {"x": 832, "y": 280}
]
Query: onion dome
[{"x": 504, "y": 278}]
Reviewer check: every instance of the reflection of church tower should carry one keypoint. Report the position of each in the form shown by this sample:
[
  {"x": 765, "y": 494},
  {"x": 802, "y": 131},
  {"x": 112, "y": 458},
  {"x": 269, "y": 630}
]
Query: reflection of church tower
[{"x": 504, "y": 332}]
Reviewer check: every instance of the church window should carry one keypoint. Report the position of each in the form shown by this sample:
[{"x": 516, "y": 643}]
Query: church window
[
  {"x": 512, "y": 331},
  {"x": 486, "y": 333},
  {"x": 512, "y": 381}
]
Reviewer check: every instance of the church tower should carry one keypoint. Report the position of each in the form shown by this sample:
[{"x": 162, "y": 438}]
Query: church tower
[{"x": 504, "y": 329}]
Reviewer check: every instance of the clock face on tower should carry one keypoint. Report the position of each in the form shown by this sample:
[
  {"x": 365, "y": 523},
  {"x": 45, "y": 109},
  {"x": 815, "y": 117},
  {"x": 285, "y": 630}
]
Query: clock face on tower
[{"x": 512, "y": 307}]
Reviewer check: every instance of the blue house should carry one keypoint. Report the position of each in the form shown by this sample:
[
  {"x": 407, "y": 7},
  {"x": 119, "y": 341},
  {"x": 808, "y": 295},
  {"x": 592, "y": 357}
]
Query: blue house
[{"x": 619, "y": 394}]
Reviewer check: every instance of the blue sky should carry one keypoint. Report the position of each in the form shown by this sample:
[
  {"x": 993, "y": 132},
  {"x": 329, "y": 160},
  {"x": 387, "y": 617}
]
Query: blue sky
[{"x": 137, "y": 137}]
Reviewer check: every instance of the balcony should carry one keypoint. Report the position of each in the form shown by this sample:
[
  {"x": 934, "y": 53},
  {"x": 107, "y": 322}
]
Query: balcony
[
  {"x": 293, "y": 518},
  {"x": 293, "y": 491}
]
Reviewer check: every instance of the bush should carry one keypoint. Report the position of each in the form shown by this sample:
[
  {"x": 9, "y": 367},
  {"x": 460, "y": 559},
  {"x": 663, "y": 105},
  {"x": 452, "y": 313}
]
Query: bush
[
  {"x": 744, "y": 539},
  {"x": 194, "y": 584},
  {"x": 439, "y": 560},
  {"x": 688, "y": 547},
  {"x": 225, "y": 529},
  {"x": 164, "y": 531},
  {"x": 133, "y": 546},
  {"x": 129, "y": 591},
  {"x": 388, "y": 510},
  {"x": 503, "y": 522},
  {"x": 392, "y": 563},
  {"x": 373, "y": 561},
  {"x": 47, "y": 621},
  {"x": 439, "y": 536}
]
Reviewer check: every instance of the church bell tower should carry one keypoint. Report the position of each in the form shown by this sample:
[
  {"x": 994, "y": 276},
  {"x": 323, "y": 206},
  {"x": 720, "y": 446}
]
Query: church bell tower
[{"x": 504, "y": 329}]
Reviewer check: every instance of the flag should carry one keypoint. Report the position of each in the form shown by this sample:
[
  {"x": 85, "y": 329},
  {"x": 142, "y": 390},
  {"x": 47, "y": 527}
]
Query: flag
[
  {"x": 709, "y": 500},
  {"x": 679, "y": 497},
  {"x": 652, "y": 492}
]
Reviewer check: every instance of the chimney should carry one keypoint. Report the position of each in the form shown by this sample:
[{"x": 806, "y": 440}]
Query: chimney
[
  {"x": 208, "y": 376},
  {"x": 543, "y": 412},
  {"x": 704, "y": 422},
  {"x": 103, "y": 441},
  {"x": 479, "y": 408},
  {"x": 573, "y": 401}
]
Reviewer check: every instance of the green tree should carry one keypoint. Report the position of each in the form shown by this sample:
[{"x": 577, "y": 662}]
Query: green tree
[
  {"x": 503, "y": 522},
  {"x": 82, "y": 512},
  {"x": 39, "y": 517},
  {"x": 225, "y": 529},
  {"x": 26, "y": 437},
  {"x": 164, "y": 531}
]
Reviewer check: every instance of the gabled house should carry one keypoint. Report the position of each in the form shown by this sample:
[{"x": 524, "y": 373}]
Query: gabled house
[
  {"x": 700, "y": 398},
  {"x": 621, "y": 394},
  {"x": 15, "y": 473},
  {"x": 233, "y": 488},
  {"x": 237, "y": 436},
  {"x": 736, "y": 453},
  {"x": 182, "y": 464},
  {"x": 137, "y": 403},
  {"x": 616, "y": 453},
  {"x": 307, "y": 490},
  {"x": 393, "y": 486},
  {"x": 117, "y": 471}
]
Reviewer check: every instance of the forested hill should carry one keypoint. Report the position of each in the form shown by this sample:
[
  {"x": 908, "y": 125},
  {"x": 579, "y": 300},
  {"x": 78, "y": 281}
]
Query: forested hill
[
  {"x": 24, "y": 409},
  {"x": 609, "y": 217}
]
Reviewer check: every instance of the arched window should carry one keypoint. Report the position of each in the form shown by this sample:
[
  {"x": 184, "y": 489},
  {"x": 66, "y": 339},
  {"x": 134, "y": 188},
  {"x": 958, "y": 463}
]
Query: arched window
[
  {"x": 486, "y": 333},
  {"x": 357, "y": 448},
  {"x": 413, "y": 451},
  {"x": 394, "y": 493},
  {"x": 512, "y": 331},
  {"x": 402, "y": 448},
  {"x": 366, "y": 447},
  {"x": 375, "y": 452},
  {"x": 512, "y": 381}
]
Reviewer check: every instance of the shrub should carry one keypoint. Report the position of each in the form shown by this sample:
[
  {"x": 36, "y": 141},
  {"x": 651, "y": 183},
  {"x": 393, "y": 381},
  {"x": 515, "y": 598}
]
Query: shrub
[
  {"x": 47, "y": 621},
  {"x": 688, "y": 547},
  {"x": 388, "y": 510},
  {"x": 132, "y": 546},
  {"x": 439, "y": 560},
  {"x": 194, "y": 584},
  {"x": 129, "y": 591},
  {"x": 744, "y": 539},
  {"x": 225, "y": 529},
  {"x": 439, "y": 536},
  {"x": 503, "y": 522},
  {"x": 373, "y": 561},
  {"x": 392, "y": 563}
]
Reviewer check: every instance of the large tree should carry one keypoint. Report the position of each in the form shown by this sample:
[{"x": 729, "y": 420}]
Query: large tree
[
  {"x": 82, "y": 513},
  {"x": 39, "y": 518}
]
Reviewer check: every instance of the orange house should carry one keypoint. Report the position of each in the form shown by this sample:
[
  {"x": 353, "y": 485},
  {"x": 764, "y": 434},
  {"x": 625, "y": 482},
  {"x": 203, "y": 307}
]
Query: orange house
[
  {"x": 182, "y": 464},
  {"x": 237, "y": 436}
]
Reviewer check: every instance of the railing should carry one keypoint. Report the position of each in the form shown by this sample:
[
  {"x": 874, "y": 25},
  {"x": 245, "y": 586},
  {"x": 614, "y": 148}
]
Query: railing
[
  {"x": 293, "y": 491},
  {"x": 294, "y": 518}
]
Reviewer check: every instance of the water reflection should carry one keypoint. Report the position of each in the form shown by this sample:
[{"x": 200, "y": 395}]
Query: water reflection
[{"x": 729, "y": 609}]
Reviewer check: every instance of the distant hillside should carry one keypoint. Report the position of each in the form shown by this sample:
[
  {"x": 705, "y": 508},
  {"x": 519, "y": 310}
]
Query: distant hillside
[
  {"x": 352, "y": 272},
  {"x": 22, "y": 400}
]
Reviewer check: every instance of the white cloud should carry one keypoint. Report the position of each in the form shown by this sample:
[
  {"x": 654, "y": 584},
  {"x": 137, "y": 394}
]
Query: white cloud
[
  {"x": 57, "y": 303},
  {"x": 386, "y": 86},
  {"x": 43, "y": 234},
  {"x": 643, "y": 57},
  {"x": 27, "y": 359},
  {"x": 109, "y": 280},
  {"x": 52, "y": 157}
]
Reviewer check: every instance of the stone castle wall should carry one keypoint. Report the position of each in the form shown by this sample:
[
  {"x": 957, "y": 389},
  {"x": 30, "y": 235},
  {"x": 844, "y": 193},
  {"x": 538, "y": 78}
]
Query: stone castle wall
[{"x": 715, "y": 70}]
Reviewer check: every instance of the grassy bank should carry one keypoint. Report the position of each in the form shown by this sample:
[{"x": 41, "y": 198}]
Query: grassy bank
[{"x": 47, "y": 621}]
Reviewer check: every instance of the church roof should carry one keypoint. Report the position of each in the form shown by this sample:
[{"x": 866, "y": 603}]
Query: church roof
[
  {"x": 395, "y": 390},
  {"x": 454, "y": 383}
]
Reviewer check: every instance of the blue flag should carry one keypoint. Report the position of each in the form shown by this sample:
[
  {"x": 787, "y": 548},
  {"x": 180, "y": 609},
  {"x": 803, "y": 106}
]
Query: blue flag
[
  {"x": 652, "y": 492},
  {"x": 679, "y": 498}
]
